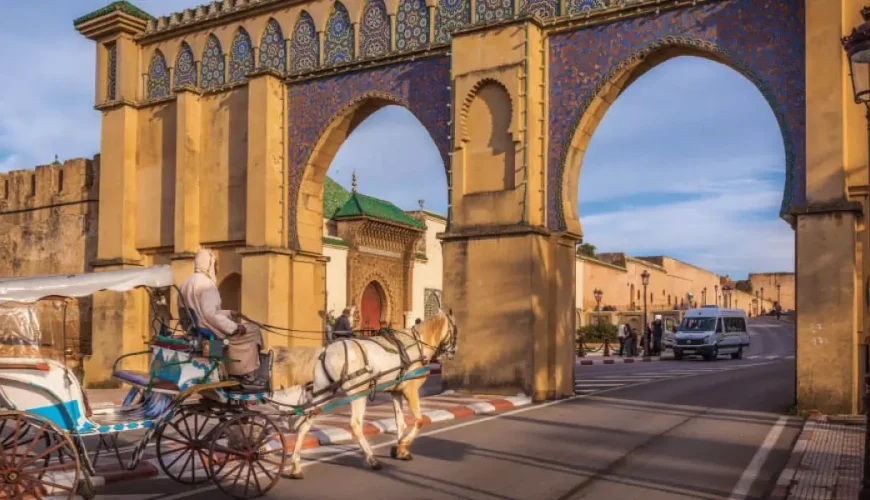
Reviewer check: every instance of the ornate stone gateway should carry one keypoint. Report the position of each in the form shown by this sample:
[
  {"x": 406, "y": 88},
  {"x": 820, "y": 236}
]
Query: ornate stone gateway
[{"x": 226, "y": 140}]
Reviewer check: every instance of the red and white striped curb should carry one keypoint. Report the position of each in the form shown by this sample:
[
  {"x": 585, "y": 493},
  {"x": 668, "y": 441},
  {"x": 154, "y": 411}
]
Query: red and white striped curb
[
  {"x": 786, "y": 477},
  {"x": 596, "y": 360}
]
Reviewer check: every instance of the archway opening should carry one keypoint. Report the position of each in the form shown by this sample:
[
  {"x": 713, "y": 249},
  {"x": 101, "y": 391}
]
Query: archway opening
[
  {"x": 231, "y": 292},
  {"x": 373, "y": 198},
  {"x": 683, "y": 162},
  {"x": 372, "y": 307}
]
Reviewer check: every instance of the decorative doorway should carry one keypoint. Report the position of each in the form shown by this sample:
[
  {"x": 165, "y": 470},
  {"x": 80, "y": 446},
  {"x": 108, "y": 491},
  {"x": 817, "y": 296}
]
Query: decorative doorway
[{"x": 371, "y": 307}]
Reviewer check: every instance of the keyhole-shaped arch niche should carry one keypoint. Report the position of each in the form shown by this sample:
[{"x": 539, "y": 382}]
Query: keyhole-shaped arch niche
[{"x": 489, "y": 148}]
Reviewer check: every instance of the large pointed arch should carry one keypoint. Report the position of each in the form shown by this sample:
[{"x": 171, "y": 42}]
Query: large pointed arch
[
  {"x": 241, "y": 56},
  {"x": 338, "y": 46},
  {"x": 304, "y": 45},
  {"x": 185, "y": 67},
  {"x": 158, "y": 84},
  {"x": 273, "y": 52},
  {"x": 213, "y": 67}
]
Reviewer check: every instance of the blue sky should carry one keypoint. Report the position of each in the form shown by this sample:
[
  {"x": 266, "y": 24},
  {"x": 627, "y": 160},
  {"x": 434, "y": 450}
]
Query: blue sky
[{"x": 688, "y": 162}]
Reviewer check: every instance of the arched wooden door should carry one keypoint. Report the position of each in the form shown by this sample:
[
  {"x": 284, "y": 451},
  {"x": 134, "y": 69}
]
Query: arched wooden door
[{"x": 371, "y": 307}]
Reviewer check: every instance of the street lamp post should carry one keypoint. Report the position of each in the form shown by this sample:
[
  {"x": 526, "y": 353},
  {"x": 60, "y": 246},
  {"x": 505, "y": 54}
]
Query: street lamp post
[
  {"x": 704, "y": 295},
  {"x": 762, "y": 300},
  {"x": 598, "y": 293},
  {"x": 778, "y": 298},
  {"x": 644, "y": 278},
  {"x": 716, "y": 290},
  {"x": 857, "y": 46}
]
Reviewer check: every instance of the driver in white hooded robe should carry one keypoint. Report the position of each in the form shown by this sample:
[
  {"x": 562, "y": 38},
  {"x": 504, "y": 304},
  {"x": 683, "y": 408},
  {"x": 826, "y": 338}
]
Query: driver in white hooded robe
[{"x": 201, "y": 294}]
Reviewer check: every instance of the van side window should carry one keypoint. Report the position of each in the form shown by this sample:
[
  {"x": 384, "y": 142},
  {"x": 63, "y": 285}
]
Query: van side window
[
  {"x": 741, "y": 325},
  {"x": 719, "y": 326}
]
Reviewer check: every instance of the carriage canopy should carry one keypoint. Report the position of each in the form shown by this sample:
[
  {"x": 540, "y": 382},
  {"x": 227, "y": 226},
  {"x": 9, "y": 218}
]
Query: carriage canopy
[{"x": 21, "y": 306}]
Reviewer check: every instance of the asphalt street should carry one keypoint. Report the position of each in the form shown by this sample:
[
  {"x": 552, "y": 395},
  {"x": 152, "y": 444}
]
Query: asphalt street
[{"x": 664, "y": 430}]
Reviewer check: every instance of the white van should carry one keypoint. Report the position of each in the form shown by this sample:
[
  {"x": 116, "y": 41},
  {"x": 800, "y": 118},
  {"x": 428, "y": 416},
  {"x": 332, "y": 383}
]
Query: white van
[{"x": 711, "y": 332}]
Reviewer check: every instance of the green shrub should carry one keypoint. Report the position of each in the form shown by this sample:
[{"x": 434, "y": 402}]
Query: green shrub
[{"x": 598, "y": 332}]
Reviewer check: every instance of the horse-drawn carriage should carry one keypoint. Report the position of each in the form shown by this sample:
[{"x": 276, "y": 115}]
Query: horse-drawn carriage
[{"x": 207, "y": 426}]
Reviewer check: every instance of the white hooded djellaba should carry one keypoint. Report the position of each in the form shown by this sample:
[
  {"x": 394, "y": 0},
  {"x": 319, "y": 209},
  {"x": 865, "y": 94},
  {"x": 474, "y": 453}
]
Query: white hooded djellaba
[{"x": 201, "y": 294}]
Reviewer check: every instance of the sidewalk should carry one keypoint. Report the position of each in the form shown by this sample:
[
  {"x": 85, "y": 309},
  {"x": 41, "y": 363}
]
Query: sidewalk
[{"x": 827, "y": 461}]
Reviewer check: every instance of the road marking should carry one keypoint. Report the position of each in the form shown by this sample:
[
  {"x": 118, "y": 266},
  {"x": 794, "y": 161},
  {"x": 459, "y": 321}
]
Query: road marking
[
  {"x": 467, "y": 423},
  {"x": 741, "y": 490}
]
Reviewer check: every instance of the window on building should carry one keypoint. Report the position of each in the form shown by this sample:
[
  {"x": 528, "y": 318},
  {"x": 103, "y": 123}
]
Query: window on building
[
  {"x": 6, "y": 189},
  {"x": 60, "y": 181},
  {"x": 33, "y": 185},
  {"x": 431, "y": 302}
]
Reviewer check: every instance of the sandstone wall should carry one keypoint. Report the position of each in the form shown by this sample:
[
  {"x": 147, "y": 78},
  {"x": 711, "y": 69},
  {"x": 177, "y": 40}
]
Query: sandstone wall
[
  {"x": 48, "y": 219},
  {"x": 769, "y": 282}
]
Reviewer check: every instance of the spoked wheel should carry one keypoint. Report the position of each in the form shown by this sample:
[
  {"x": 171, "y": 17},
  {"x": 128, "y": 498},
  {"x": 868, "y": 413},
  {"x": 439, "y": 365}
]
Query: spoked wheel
[
  {"x": 37, "y": 459},
  {"x": 247, "y": 455},
  {"x": 182, "y": 446}
]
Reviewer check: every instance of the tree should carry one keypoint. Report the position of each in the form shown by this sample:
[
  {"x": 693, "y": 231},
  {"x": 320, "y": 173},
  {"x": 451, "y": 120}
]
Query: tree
[
  {"x": 744, "y": 286},
  {"x": 587, "y": 249}
]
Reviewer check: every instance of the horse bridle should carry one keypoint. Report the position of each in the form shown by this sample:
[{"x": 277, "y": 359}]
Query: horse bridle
[{"x": 447, "y": 345}]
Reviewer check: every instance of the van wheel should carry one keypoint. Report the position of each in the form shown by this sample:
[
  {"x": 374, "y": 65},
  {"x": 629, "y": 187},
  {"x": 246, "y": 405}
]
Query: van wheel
[
  {"x": 738, "y": 354},
  {"x": 678, "y": 355}
]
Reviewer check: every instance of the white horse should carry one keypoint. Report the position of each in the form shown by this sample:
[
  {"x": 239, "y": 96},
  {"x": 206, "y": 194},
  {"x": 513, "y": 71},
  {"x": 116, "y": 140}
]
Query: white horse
[{"x": 351, "y": 366}]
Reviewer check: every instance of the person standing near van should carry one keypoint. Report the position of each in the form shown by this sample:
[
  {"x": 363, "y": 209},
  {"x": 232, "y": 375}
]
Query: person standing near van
[
  {"x": 620, "y": 334},
  {"x": 658, "y": 332}
]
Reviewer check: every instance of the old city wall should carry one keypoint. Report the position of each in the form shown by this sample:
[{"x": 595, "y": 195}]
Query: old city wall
[
  {"x": 768, "y": 281},
  {"x": 48, "y": 219}
]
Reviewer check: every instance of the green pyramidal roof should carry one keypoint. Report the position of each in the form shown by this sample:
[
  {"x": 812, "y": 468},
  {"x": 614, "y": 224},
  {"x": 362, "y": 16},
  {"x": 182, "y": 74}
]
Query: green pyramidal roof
[
  {"x": 123, "y": 6},
  {"x": 361, "y": 205},
  {"x": 334, "y": 197}
]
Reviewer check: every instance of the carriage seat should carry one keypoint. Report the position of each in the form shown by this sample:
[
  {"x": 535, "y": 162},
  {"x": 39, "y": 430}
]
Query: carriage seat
[{"x": 142, "y": 379}]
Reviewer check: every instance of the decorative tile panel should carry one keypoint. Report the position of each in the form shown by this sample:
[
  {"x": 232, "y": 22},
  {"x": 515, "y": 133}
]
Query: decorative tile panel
[
  {"x": 494, "y": 10},
  {"x": 241, "y": 56},
  {"x": 421, "y": 86},
  {"x": 212, "y": 65},
  {"x": 583, "y": 6},
  {"x": 338, "y": 45},
  {"x": 450, "y": 16},
  {"x": 412, "y": 25},
  {"x": 111, "y": 72},
  {"x": 304, "y": 46},
  {"x": 540, "y": 8},
  {"x": 185, "y": 66},
  {"x": 374, "y": 32},
  {"x": 765, "y": 41},
  {"x": 158, "y": 77},
  {"x": 273, "y": 53}
]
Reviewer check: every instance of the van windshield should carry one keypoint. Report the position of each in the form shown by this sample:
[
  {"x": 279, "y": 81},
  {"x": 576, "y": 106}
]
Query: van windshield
[{"x": 698, "y": 325}]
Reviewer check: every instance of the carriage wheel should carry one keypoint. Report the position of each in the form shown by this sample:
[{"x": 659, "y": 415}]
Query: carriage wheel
[
  {"x": 247, "y": 455},
  {"x": 183, "y": 454},
  {"x": 37, "y": 459}
]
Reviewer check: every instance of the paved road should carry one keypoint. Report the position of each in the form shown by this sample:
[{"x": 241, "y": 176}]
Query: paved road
[{"x": 667, "y": 430}]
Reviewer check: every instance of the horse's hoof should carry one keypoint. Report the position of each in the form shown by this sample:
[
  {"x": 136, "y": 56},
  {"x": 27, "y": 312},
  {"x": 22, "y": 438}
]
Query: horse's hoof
[
  {"x": 375, "y": 465},
  {"x": 297, "y": 475},
  {"x": 394, "y": 452},
  {"x": 406, "y": 456}
]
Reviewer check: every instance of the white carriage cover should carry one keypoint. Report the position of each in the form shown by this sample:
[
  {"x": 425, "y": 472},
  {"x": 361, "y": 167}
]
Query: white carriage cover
[{"x": 34, "y": 288}]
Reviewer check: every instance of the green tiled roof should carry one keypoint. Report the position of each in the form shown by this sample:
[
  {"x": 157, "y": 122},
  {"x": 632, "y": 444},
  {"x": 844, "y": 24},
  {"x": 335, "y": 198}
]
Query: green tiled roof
[
  {"x": 329, "y": 240},
  {"x": 361, "y": 205},
  {"x": 123, "y": 6},
  {"x": 334, "y": 197}
]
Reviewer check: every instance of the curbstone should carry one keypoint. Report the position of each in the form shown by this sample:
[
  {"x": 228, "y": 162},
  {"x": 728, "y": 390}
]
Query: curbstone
[
  {"x": 786, "y": 478},
  {"x": 618, "y": 361}
]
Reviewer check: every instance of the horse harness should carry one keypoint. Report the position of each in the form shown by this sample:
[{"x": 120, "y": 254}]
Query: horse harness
[{"x": 397, "y": 347}]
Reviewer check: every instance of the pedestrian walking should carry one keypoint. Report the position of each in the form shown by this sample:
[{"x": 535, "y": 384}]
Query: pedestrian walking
[
  {"x": 658, "y": 331},
  {"x": 622, "y": 336},
  {"x": 630, "y": 341}
]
